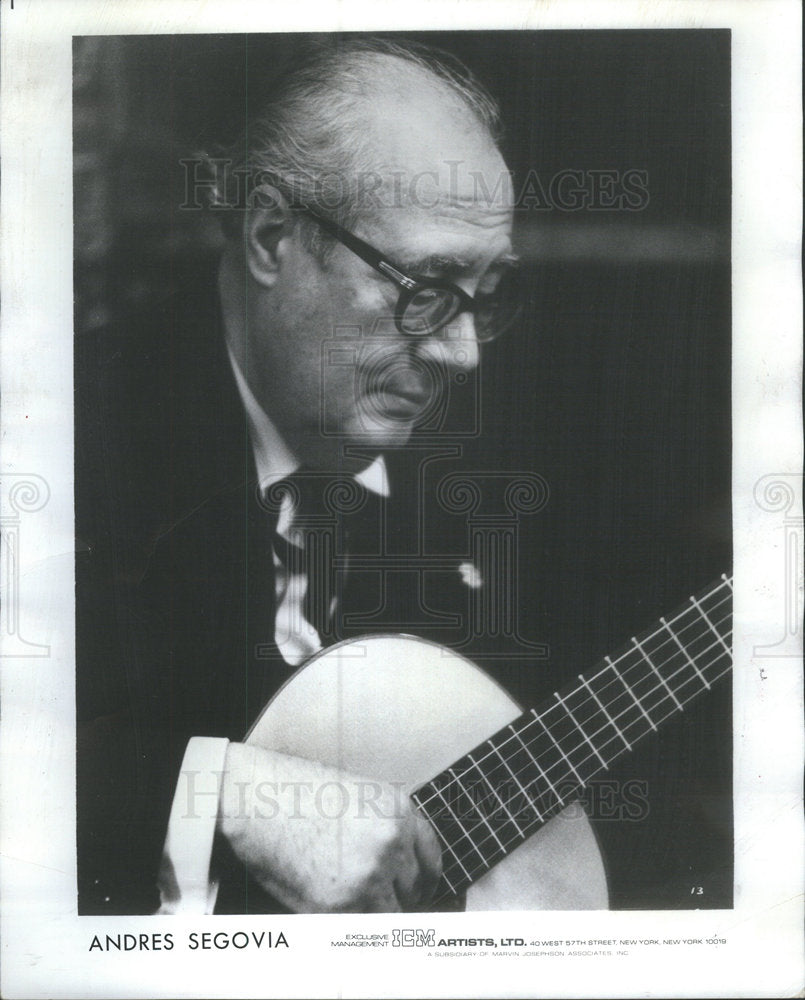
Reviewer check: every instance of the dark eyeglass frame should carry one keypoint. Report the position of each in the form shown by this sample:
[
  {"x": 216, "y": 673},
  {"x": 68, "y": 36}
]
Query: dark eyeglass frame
[{"x": 409, "y": 285}]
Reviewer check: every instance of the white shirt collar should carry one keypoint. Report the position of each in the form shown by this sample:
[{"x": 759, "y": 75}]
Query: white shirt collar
[{"x": 273, "y": 458}]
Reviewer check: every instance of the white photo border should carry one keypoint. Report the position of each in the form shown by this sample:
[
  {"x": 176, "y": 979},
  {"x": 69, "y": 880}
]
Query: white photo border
[{"x": 45, "y": 945}]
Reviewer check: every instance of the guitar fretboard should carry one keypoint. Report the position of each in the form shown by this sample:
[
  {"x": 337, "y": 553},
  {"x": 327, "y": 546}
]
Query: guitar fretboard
[{"x": 496, "y": 796}]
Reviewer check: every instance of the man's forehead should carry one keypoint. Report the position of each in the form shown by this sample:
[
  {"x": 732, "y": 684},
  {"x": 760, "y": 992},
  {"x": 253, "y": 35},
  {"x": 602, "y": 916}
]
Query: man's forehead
[
  {"x": 457, "y": 207},
  {"x": 455, "y": 239},
  {"x": 452, "y": 180},
  {"x": 428, "y": 145},
  {"x": 454, "y": 191},
  {"x": 439, "y": 185}
]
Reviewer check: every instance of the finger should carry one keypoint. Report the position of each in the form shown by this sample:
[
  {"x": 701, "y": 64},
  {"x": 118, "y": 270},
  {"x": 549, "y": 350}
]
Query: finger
[
  {"x": 429, "y": 857},
  {"x": 427, "y": 847},
  {"x": 408, "y": 878},
  {"x": 415, "y": 896},
  {"x": 386, "y": 901}
]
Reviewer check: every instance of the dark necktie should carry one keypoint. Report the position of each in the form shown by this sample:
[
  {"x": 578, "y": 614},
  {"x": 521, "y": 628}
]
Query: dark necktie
[{"x": 326, "y": 522}]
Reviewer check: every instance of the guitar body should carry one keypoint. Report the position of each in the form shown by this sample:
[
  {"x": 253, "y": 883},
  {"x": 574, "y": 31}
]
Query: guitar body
[{"x": 401, "y": 709}]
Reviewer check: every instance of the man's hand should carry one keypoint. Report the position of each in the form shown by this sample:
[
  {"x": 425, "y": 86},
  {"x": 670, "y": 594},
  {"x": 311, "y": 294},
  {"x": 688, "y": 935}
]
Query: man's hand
[{"x": 321, "y": 840}]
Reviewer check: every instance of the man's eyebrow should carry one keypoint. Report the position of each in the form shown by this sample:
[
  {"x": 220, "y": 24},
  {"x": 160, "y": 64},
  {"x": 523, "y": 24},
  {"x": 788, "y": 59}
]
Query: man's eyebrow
[{"x": 449, "y": 264}]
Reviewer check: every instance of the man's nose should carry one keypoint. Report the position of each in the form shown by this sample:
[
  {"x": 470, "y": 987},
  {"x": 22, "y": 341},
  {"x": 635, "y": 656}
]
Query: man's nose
[{"x": 456, "y": 346}]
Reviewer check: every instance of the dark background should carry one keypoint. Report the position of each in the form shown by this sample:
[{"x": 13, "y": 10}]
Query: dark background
[{"x": 615, "y": 389}]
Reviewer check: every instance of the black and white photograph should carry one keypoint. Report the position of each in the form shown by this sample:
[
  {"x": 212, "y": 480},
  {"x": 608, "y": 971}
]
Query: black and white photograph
[
  {"x": 486, "y": 406},
  {"x": 408, "y": 463}
]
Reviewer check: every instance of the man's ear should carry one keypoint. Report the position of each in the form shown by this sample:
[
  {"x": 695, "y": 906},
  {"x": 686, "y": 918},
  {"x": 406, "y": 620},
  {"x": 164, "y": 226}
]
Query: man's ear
[{"x": 268, "y": 223}]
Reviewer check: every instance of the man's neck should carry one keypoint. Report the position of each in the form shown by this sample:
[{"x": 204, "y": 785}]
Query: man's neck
[{"x": 274, "y": 457}]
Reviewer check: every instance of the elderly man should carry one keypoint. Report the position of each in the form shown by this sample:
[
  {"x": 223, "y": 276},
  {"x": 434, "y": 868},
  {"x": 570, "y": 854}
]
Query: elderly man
[{"x": 416, "y": 260}]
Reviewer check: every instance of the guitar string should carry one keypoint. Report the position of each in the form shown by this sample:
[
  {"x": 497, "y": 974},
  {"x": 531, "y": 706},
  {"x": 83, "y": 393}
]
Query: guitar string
[
  {"x": 613, "y": 739},
  {"x": 528, "y": 825},
  {"x": 622, "y": 675},
  {"x": 627, "y": 728},
  {"x": 469, "y": 876},
  {"x": 536, "y": 823},
  {"x": 471, "y": 873},
  {"x": 588, "y": 700},
  {"x": 640, "y": 657},
  {"x": 541, "y": 755},
  {"x": 678, "y": 656},
  {"x": 474, "y": 872},
  {"x": 537, "y": 820}
]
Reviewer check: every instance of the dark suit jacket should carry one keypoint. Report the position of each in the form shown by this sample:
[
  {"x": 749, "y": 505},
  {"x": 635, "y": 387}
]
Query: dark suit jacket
[
  {"x": 175, "y": 585},
  {"x": 144, "y": 464},
  {"x": 175, "y": 606}
]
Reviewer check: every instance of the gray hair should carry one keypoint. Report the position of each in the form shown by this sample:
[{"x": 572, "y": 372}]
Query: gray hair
[{"x": 308, "y": 141}]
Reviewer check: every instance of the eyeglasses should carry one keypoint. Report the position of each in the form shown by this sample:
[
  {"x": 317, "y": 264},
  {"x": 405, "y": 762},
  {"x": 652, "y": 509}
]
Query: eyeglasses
[{"x": 428, "y": 305}]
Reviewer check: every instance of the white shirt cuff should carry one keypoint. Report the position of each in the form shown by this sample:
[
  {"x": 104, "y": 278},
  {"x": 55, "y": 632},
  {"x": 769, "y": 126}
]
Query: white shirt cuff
[{"x": 185, "y": 882}]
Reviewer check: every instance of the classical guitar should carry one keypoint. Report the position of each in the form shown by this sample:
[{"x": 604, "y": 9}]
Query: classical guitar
[{"x": 403, "y": 709}]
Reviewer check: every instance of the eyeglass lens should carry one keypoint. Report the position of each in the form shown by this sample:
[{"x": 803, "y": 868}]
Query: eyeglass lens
[{"x": 430, "y": 309}]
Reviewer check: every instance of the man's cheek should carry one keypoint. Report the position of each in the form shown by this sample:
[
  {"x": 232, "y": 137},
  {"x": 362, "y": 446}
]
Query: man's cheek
[{"x": 337, "y": 397}]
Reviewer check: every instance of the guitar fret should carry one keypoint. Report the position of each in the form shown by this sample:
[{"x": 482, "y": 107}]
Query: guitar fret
[
  {"x": 463, "y": 829},
  {"x": 450, "y": 886},
  {"x": 444, "y": 840},
  {"x": 478, "y": 811},
  {"x": 721, "y": 673},
  {"x": 534, "y": 759},
  {"x": 701, "y": 646},
  {"x": 720, "y": 655},
  {"x": 684, "y": 652},
  {"x": 496, "y": 796},
  {"x": 561, "y": 751},
  {"x": 661, "y": 679},
  {"x": 619, "y": 704},
  {"x": 500, "y": 800},
  {"x": 631, "y": 693},
  {"x": 563, "y": 703},
  {"x": 528, "y": 798},
  {"x": 627, "y": 744},
  {"x": 712, "y": 626},
  {"x": 716, "y": 597}
]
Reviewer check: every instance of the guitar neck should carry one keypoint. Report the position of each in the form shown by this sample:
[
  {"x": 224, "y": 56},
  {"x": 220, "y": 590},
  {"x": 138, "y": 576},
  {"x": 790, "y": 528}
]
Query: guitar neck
[{"x": 495, "y": 797}]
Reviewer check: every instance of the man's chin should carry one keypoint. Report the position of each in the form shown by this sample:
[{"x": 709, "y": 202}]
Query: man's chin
[{"x": 380, "y": 431}]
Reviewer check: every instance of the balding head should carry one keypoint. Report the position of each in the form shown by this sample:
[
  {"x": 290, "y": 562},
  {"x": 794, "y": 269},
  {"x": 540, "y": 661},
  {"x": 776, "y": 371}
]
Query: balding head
[
  {"x": 400, "y": 149},
  {"x": 338, "y": 131}
]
